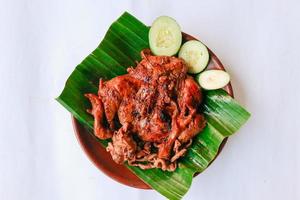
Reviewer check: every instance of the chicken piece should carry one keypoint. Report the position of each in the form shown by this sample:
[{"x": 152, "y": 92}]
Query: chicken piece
[
  {"x": 189, "y": 94},
  {"x": 153, "y": 131},
  {"x": 193, "y": 128},
  {"x": 98, "y": 112},
  {"x": 123, "y": 147},
  {"x": 155, "y": 127},
  {"x": 165, "y": 148},
  {"x": 186, "y": 125},
  {"x": 152, "y": 67},
  {"x": 145, "y": 100},
  {"x": 126, "y": 112},
  {"x": 113, "y": 92},
  {"x": 189, "y": 98}
]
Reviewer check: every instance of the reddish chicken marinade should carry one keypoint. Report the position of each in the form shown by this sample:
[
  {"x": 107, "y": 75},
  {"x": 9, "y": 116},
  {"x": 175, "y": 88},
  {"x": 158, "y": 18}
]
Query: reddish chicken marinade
[{"x": 151, "y": 114}]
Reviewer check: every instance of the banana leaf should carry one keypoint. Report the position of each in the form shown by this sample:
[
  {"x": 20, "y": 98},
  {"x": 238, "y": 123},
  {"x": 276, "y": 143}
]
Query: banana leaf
[{"x": 120, "y": 49}]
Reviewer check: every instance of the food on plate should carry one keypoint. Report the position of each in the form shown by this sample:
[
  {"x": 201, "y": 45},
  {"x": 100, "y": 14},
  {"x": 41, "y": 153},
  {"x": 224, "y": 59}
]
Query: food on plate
[
  {"x": 165, "y": 36},
  {"x": 213, "y": 79},
  {"x": 154, "y": 115},
  {"x": 151, "y": 114},
  {"x": 195, "y": 54}
]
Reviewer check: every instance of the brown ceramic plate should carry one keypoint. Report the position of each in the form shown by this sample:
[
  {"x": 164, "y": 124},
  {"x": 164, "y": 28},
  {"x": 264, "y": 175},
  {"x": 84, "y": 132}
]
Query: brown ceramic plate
[{"x": 102, "y": 159}]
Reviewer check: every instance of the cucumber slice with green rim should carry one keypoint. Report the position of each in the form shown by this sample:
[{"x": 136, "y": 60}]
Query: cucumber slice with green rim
[
  {"x": 165, "y": 36},
  {"x": 196, "y": 56},
  {"x": 213, "y": 79}
]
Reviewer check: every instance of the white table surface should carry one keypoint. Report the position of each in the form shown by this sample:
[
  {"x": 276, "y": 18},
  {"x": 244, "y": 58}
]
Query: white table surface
[{"x": 42, "y": 41}]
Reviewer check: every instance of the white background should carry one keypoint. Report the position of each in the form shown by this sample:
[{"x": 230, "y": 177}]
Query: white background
[{"x": 42, "y": 41}]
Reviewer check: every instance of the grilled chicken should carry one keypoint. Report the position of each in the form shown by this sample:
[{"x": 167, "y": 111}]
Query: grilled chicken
[{"x": 151, "y": 113}]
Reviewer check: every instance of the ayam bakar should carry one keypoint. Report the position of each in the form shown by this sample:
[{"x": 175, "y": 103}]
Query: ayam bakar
[{"x": 151, "y": 114}]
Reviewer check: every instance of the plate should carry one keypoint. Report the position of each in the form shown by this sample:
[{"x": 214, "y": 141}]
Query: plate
[{"x": 102, "y": 159}]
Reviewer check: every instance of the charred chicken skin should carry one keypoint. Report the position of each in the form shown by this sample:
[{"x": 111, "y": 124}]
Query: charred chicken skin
[{"x": 151, "y": 114}]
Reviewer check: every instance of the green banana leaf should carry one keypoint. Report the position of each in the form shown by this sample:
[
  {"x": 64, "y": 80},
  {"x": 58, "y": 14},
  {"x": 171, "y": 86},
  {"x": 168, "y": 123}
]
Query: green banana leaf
[{"x": 119, "y": 49}]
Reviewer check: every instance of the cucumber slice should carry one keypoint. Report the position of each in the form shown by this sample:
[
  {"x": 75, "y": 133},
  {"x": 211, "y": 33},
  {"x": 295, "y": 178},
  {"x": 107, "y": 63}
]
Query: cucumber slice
[
  {"x": 196, "y": 56},
  {"x": 165, "y": 36},
  {"x": 213, "y": 79}
]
